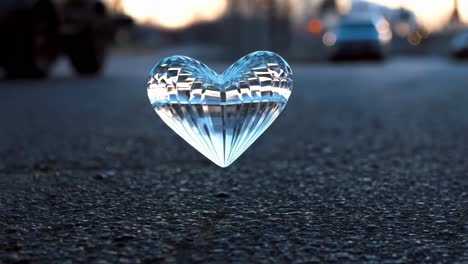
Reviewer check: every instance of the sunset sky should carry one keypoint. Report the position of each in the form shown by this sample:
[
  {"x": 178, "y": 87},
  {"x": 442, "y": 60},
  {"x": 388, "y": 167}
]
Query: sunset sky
[
  {"x": 431, "y": 13},
  {"x": 176, "y": 14}
]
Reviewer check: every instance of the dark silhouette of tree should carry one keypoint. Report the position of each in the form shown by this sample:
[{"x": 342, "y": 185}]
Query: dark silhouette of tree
[
  {"x": 328, "y": 6},
  {"x": 279, "y": 25},
  {"x": 455, "y": 14}
]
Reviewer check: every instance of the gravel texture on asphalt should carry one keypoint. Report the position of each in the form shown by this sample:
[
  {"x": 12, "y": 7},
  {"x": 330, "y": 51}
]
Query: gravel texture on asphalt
[{"x": 367, "y": 164}]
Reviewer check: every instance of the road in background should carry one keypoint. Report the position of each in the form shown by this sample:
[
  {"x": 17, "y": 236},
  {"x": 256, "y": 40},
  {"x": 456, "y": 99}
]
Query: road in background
[{"x": 368, "y": 163}]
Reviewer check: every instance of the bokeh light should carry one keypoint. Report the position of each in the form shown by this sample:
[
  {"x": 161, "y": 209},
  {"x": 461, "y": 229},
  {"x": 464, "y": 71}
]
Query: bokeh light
[
  {"x": 384, "y": 29},
  {"x": 329, "y": 39},
  {"x": 315, "y": 26}
]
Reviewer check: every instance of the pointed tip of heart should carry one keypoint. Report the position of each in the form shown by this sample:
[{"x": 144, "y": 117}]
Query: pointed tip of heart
[{"x": 222, "y": 164}]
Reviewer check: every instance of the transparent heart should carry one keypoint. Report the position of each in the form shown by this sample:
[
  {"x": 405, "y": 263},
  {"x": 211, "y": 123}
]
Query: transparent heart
[{"x": 220, "y": 115}]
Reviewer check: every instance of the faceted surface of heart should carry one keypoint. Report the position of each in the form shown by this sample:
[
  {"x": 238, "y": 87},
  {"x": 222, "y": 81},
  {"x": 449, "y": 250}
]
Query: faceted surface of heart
[{"x": 220, "y": 115}]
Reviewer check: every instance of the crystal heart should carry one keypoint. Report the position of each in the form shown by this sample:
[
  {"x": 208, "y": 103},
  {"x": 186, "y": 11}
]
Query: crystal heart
[{"x": 220, "y": 115}]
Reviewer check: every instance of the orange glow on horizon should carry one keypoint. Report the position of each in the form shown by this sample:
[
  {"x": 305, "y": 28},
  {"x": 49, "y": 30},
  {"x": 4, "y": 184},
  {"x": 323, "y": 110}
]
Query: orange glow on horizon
[
  {"x": 174, "y": 14},
  {"x": 433, "y": 14},
  {"x": 178, "y": 14}
]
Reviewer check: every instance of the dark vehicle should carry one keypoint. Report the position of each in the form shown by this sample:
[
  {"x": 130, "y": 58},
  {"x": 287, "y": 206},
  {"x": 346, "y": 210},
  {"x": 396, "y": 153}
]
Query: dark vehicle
[
  {"x": 35, "y": 32},
  {"x": 357, "y": 39},
  {"x": 460, "y": 46}
]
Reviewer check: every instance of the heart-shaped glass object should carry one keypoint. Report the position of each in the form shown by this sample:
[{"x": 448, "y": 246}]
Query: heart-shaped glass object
[{"x": 220, "y": 115}]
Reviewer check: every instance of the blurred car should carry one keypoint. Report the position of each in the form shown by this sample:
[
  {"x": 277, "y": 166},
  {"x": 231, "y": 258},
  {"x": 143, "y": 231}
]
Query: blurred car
[
  {"x": 35, "y": 32},
  {"x": 355, "y": 39},
  {"x": 460, "y": 46}
]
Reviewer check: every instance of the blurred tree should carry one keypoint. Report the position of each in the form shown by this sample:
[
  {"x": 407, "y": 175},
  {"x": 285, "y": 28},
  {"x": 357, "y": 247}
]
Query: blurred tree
[
  {"x": 328, "y": 6},
  {"x": 455, "y": 21},
  {"x": 116, "y": 6},
  {"x": 279, "y": 26},
  {"x": 456, "y": 14}
]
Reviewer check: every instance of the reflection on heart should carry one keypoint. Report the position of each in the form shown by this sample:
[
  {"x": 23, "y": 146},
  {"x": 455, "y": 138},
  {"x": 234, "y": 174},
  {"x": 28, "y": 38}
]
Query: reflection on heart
[{"x": 220, "y": 115}]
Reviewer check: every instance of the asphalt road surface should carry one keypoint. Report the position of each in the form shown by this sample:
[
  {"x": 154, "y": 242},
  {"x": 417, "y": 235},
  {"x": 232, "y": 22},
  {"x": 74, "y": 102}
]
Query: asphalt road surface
[{"x": 368, "y": 163}]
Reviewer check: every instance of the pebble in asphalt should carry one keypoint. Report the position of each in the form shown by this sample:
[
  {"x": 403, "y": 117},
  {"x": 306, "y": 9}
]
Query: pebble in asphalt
[{"x": 368, "y": 164}]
